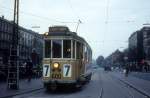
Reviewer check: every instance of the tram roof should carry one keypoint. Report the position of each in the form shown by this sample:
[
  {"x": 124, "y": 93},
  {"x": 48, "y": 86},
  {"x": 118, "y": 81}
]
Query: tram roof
[{"x": 63, "y": 31}]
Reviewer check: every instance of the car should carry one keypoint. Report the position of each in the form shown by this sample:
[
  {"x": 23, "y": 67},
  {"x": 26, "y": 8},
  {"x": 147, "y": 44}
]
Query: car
[{"x": 107, "y": 68}]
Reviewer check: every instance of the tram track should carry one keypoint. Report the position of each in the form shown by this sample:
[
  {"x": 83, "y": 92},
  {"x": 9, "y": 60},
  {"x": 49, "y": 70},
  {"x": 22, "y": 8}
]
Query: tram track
[{"x": 101, "y": 93}]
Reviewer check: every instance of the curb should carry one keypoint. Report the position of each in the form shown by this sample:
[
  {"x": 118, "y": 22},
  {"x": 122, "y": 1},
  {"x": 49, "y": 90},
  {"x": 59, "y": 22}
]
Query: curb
[
  {"x": 25, "y": 92},
  {"x": 135, "y": 88}
]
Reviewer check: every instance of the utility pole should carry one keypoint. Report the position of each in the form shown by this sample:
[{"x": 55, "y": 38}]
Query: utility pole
[{"x": 13, "y": 67}]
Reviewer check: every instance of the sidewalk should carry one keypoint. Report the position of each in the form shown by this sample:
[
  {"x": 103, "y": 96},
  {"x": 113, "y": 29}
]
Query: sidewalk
[
  {"x": 24, "y": 87},
  {"x": 141, "y": 75},
  {"x": 140, "y": 85}
]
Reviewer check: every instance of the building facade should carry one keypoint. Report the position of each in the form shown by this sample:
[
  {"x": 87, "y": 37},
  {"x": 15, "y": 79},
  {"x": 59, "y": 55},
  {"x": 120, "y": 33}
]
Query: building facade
[
  {"x": 146, "y": 43},
  {"x": 30, "y": 44},
  {"x": 139, "y": 49},
  {"x": 6, "y": 29},
  {"x": 136, "y": 53}
]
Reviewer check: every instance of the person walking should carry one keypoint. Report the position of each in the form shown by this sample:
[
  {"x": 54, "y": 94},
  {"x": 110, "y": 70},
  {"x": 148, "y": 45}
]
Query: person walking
[
  {"x": 126, "y": 70},
  {"x": 29, "y": 69}
]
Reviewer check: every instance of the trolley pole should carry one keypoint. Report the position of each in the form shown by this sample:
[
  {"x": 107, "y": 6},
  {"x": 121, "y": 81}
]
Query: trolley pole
[
  {"x": 13, "y": 67},
  {"x": 79, "y": 21}
]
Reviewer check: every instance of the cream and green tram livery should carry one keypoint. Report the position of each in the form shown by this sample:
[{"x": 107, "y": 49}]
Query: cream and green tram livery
[{"x": 67, "y": 58}]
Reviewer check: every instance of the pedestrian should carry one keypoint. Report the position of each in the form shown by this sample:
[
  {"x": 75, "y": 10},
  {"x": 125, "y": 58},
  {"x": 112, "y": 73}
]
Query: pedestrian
[
  {"x": 29, "y": 69},
  {"x": 145, "y": 66},
  {"x": 127, "y": 71},
  {"x": 38, "y": 71}
]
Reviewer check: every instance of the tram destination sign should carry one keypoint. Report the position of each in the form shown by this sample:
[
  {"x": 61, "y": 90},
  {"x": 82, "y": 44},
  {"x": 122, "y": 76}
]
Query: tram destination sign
[{"x": 58, "y": 29}]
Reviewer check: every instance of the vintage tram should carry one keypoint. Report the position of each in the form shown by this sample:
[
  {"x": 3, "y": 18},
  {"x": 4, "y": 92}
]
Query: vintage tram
[{"x": 67, "y": 58}]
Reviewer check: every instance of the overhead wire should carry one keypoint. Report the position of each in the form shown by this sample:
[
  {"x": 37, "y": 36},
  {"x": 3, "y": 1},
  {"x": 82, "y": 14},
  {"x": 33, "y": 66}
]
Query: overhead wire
[
  {"x": 107, "y": 26},
  {"x": 106, "y": 22},
  {"x": 75, "y": 14},
  {"x": 73, "y": 11},
  {"x": 41, "y": 17}
]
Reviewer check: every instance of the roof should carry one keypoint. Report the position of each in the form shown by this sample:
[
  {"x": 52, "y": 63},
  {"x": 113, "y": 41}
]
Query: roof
[{"x": 64, "y": 31}]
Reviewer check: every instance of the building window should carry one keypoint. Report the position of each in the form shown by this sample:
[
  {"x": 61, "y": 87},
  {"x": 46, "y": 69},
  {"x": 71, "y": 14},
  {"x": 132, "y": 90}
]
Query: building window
[
  {"x": 2, "y": 36},
  {"x": 0, "y": 25},
  {"x": 5, "y": 27},
  {"x": 148, "y": 53}
]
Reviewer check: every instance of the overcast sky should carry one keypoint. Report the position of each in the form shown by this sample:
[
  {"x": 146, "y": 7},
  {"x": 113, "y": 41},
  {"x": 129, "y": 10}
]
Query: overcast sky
[{"x": 106, "y": 24}]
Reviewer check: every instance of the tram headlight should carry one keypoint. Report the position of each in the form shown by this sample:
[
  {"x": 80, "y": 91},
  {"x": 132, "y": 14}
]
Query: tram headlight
[{"x": 56, "y": 65}]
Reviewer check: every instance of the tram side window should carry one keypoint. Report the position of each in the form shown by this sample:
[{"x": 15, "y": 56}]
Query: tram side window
[
  {"x": 47, "y": 48},
  {"x": 79, "y": 50},
  {"x": 56, "y": 52},
  {"x": 73, "y": 49},
  {"x": 85, "y": 53},
  {"x": 66, "y": 48}
]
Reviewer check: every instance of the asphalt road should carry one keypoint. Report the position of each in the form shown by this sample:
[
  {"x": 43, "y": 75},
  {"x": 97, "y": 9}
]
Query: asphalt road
[{"x": 102, "y": 85}]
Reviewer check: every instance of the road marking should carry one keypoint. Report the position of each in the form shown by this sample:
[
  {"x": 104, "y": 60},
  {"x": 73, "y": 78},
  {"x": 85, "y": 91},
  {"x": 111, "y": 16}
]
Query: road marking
[
  {"x": 101, "y": 93},
  {"x": 101, "y": 90}
]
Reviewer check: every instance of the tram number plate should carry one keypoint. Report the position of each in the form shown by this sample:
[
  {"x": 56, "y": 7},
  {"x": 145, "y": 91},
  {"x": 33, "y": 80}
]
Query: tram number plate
[
  {"x": 67, "y": 70},
  {"x": 46, "y": 70},
  {"x": 56, "y": 76}
]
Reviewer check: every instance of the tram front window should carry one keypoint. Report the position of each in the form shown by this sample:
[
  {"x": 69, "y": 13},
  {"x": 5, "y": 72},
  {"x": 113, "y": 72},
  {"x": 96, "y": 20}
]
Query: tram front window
[
  {"x": 57, "y": 44},
  {"x": 47, "y": 48},
  {"x": 66, "y": 48}
]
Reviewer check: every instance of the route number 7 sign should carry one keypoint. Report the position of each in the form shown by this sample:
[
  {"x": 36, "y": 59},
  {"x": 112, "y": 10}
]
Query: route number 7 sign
[
  {"x": 67, "y": 69},
  {"x": 46, "y": 70}
]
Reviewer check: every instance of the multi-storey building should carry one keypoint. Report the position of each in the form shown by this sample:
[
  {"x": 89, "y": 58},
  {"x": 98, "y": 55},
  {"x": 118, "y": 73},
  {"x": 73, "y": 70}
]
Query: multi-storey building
[
  {"x": 136, "y": 54},
  {"x": 146, "y": 43},
  {"x": 30, "y": 44},
  {"x": 6, "y": 29}
]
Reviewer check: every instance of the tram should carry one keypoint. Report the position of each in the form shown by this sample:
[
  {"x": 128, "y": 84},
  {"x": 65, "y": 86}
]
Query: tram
[{"x": 67, "y": 58}]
